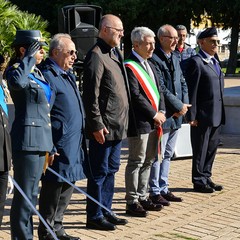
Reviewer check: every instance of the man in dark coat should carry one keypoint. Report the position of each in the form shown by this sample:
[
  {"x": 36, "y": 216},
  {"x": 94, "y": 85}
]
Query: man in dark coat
[
  {"x": 105, "y": 97},
  {"x": 149, "y": 115},
  {"x": 67, "y": 119},
  {"x": 176, "y": 100},
  {"x": 205, "y": 83},
  {"x": 5, "y": 148}
]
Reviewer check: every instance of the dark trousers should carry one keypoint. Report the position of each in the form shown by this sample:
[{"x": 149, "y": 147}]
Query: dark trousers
[
  {"x": 104, "y": 163},
  {"x": 205, "y": 141},
  {"x": 53, "y": 201},
  {"x": 27, "y": 167},
  {"x": 3, "y": 192}
]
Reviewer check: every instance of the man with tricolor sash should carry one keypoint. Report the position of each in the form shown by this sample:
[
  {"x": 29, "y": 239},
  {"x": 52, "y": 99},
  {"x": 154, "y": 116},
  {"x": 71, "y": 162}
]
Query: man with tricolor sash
[{"x": 149, "y": 114}]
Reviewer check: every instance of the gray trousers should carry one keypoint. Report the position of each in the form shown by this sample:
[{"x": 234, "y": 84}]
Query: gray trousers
[{"x": 142, "y": 151}]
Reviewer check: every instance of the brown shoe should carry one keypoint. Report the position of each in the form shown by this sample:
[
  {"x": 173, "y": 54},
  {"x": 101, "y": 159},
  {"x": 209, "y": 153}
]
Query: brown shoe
[
  {"x": 136, "y": 210},
  {"x": 171, "y": 197},
  {"x": 159, "y": 199},
  {"x": 150, "y": 206}
]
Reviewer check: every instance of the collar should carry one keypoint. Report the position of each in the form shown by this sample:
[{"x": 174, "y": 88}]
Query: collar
[
  {"x": 104, "y": 44},
  {"x": 58, "y": 68},
  {"x": 141, "y": 60},
  {"x": 206, "y": 57},
  {"x": 169, "y": 55}
]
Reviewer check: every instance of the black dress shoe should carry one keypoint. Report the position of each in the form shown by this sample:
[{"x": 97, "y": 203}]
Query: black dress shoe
[
  {"x": 112, "y": 218},
  {"x": 136, "y": 210},
  {"x": 216, "y": 187},
  {"x": 203, "y": 188},
  {"x": 65, "y": 236},
  {"x": 171, "y": 197},
  {"x": 148, "y": 205},
  {"x": 100, "y": 224},
  {"x": 159, "y": 199},
  {"x": 45, "y": 237}
]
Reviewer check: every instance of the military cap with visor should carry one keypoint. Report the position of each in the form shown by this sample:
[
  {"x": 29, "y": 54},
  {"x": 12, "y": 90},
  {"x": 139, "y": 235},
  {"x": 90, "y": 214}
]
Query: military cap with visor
[{"x": 26, "y": 37}]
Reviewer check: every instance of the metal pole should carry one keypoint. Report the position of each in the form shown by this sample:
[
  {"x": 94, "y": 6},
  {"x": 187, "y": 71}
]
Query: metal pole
[{"x": 78, "y": 189}]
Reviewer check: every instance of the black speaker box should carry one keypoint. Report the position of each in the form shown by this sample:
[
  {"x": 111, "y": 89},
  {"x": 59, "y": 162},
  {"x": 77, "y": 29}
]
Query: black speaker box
[
  {"x": 84, "y": 37},
  {"x": 81, "y": 22}
]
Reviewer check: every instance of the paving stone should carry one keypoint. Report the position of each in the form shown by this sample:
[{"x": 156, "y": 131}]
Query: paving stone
[{"x": 199, "y": 216}]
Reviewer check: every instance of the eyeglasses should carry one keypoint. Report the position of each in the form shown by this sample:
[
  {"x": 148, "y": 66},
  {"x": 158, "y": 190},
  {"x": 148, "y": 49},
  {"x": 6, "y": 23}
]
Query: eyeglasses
[
  {"x": 117, "y": 29},
  {"x": 212, "y": 41},
  {"x": 71, "y": 52},
  {"x": 172, "y": 38}
]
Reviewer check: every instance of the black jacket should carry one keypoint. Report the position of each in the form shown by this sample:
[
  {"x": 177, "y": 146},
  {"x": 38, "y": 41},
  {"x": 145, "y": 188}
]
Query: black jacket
[{"x": 105, "y": 92}]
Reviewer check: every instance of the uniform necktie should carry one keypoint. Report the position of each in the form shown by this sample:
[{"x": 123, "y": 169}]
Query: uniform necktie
[{"x": 216, "y": 66}]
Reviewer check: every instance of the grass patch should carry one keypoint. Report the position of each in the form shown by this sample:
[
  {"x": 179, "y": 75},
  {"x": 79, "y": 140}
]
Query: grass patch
[
  {"x": 174, "y": 236},
  {"x": 236, "y": 72}
]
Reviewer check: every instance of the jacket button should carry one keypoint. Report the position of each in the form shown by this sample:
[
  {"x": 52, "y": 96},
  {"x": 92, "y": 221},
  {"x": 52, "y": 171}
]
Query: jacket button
[
  {"x": 49, "y": 115},
  {"x": 48, "y": 105},
  {"x": 5, "y": 125},
  {"x": 33, "y": 123},
  {"x": 49, "y": 124}
]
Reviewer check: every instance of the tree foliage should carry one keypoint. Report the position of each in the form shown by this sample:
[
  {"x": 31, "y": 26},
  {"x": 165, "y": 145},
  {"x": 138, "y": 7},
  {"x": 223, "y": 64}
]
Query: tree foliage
[
  {"x": 151, "y": 13},
  {"x": 12, "y": 19},
  {"x": 225, "y": 13}
]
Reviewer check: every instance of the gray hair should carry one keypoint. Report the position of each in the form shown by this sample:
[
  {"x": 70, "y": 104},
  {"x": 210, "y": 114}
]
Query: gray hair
[
  {"x": 181, "y": 27},
  {"x": 162, "y": 31},
  {"x": 138, "y": 34},
  {"x": 56, "y": 41}
]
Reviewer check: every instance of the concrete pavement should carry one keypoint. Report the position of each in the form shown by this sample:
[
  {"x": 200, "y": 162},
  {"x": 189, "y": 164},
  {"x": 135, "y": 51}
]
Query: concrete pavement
[{"x": 199, "y": 216}]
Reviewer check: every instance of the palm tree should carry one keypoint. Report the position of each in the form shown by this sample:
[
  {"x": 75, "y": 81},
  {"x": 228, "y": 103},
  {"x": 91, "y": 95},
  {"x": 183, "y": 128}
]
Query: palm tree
[{"x": 12, "y": 19}]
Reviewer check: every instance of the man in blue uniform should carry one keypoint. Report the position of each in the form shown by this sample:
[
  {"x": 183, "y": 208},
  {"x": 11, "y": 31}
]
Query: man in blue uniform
[{"x": 205, "y": 83}]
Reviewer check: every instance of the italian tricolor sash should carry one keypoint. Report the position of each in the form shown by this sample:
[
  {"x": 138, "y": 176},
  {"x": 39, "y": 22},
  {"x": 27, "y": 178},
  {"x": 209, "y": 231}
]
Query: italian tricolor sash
[
  {"x": 147, "y": 84},
  {"x": 150, "y": 89}
]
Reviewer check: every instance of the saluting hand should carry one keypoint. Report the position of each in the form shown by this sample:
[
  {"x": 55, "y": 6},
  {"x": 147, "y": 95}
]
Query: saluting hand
[{"x": 32, "y": 49}]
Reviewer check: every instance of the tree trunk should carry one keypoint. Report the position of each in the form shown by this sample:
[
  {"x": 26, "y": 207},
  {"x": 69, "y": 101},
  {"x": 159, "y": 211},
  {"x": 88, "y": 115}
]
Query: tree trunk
[{"x": 232, "y": 62}]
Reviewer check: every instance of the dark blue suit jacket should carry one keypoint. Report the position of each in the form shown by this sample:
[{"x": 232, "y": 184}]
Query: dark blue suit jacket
[
  {"x": 31, "y": 129},
  {"x": 205, "y": 92},
  {"x": 67, "y": 118},
  {"x": 174, "y": 87},
  {"x": 142, "y": 108}
]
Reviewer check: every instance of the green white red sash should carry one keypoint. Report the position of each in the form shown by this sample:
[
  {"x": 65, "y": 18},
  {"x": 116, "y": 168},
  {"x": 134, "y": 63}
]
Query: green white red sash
[
  {"x": 150, "y": 89},
  {"x": 147, "y": 84}
]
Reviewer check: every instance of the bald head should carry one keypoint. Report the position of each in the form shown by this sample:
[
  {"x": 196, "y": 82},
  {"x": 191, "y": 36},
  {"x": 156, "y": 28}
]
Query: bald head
[
  {"x": 168, "y": 38},
  {"x": 111, "y": 30}
]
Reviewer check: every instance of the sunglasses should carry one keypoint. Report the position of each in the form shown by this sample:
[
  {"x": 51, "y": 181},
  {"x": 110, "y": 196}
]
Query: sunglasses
[
  {"x": 212, "y": 41},
  {"x": 71, "y": 52}
]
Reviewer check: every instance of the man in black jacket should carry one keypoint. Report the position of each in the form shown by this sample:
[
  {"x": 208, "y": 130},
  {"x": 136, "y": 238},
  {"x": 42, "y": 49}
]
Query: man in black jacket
[{"x": 106, "y": 101}]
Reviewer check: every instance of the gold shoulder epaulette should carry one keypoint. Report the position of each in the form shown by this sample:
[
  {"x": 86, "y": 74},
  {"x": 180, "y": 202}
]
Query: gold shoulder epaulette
[{"x": 15, "y": 65}]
